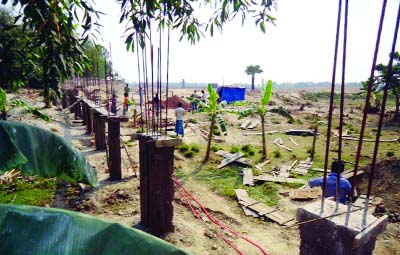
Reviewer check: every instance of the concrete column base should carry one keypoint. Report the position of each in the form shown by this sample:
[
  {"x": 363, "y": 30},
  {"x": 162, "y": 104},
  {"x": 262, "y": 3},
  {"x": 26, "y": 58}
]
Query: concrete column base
[{"x": 337, "y": 235}]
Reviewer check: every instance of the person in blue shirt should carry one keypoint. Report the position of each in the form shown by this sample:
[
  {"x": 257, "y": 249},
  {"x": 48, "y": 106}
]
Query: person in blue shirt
[{"x": 331, "y": 183}]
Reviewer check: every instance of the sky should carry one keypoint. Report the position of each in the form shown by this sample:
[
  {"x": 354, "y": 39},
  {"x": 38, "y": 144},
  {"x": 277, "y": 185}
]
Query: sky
[{"x": 299, "y": 48}]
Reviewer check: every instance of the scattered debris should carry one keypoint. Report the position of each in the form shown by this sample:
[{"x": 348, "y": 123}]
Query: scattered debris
[
  {"x": 8, "y": 177},
  {"x": 229, "y": 160},
  {"x": 252, "y": 207},
  {"x": 293, "y": 141},
  {"x": 259, "y": 133},
  {"x": 245, "y": 124},
  {"x": 270, "y": 178},
  {"x": 253, "y": 124},
  {"x": 305, "y": 194},
  {"x": 259, "y": 166},
  {"x": 278, "y": 141},
  {"x": 242, "y": 160},
  {"x": 307, "y": 132},
  {"x": 369, "y": 140},
  {"x": 284, "y": 171},
  {"x": 248, "y": 178},
  {"x": 304, "y": 166}
]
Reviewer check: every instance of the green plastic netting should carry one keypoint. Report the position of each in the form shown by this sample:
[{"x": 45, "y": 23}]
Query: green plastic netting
[
  {"x": 30, "y": 230},
  {"x": 37, "y": 151}
]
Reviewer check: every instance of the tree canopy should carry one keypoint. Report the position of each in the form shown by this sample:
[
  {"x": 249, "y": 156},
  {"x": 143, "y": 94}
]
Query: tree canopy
[{"x": 253, "y": 70}]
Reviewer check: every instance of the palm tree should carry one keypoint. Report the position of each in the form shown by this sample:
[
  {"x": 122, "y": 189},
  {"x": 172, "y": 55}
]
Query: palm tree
[{"x": 252, "y": 70}]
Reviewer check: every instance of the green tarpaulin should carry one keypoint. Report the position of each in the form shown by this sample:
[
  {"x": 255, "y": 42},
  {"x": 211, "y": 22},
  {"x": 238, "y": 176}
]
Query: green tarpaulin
[
  {"x": 30, "y": 230},
  {"x": 37, "y": 151}
]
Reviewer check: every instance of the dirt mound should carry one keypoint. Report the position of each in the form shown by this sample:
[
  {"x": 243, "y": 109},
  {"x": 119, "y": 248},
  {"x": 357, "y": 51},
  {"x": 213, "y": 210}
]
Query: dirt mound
[{"x": 173, "y": 102}]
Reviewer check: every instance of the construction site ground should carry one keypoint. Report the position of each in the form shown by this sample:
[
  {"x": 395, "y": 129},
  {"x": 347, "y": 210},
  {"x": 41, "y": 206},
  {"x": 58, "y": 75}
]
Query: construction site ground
[{"x": 120, "y": 200}]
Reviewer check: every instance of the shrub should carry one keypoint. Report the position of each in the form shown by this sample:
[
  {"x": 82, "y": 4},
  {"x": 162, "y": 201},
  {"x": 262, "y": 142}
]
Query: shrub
[
  {"x": 234, "y": 149},
  {"x": 194, "y": 121},
  {"x": 188, "y": 154},
  {"x": 290, "y": 121},
  {"x": 194, "y": 148},
  {"x": 390, "y": 153},
  {"x": 216, "y": 132},
  {"x": 252, "y": 153},
  {"x": 246, "y": 148},
  {"x": 374, "y": 130},
  {"x": 275, "y": 121},
  {"x": 277, "y": 154},
  {"x": 215, "y": 148},
  {"x": 184, "y": 148}
]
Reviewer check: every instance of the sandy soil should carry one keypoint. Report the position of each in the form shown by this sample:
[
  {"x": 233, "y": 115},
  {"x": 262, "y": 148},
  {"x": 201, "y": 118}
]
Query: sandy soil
[{"x": 119, "y": 201}]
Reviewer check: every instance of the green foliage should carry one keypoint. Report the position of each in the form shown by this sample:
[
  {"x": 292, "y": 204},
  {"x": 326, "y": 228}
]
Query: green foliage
[
  {"x": 35, "y": 111},
  {"x": 216, "y": 148},
  {"x": 277, "y": 154},
  {"x": 188, "y": 154},
  {"x": 240, "y": 103},
  {"x": 234, "y": 149},
  {"x": 180, "y": 15},
  {"x": 390, "y": 153},
  {"x": 3, "y": 101},
  {"x": 37, "y": 191},
  {"x": 184, "y": 147},
  {"x": 194, "y": 148}
]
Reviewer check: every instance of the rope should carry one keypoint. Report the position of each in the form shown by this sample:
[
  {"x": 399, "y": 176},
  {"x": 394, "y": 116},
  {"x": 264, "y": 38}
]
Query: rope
[{"x": 215, "y": 221}]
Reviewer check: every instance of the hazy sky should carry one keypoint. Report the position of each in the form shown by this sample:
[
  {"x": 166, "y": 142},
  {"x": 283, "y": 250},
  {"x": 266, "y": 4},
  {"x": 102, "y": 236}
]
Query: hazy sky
[{"x": 299, "y": 48}]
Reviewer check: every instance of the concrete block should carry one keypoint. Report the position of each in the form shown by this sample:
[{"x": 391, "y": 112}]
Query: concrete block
[{"x": 344, "y": 234}]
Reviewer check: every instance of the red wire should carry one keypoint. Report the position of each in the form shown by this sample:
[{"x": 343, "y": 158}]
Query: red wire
[
  {"x": 215, "y": 221},
  {"x": 195, "y": 213},
  {"x": 201, "y": 219}
]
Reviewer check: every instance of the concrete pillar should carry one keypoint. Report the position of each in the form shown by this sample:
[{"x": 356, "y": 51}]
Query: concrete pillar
[
  {"x": 156, "y": 159},
  {"x": 99, "y": 130},
  {"x": 337, "y": 235},
  {"x": 114, "y": 145}
]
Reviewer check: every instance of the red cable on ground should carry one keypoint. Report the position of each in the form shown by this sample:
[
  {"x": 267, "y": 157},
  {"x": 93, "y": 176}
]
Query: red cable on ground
[
  {"x": 215, "y": 221},
  {"x": 195, "y": 213},
  {"x": 201, "y": 219},
  {"x": 231, "y": 244}
]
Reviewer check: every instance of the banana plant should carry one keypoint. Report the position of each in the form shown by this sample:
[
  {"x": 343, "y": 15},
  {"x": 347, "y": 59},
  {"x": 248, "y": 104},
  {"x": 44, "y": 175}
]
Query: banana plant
[
  {"x": 261, "y": 110},
  {"x": 214, "y": 110},
  {"x": 5, "y": 107}
]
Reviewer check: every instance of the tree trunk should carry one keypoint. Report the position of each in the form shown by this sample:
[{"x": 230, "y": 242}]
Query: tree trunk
[
  {"x": 210, "y": 135},
  {"x": 314, "y": 142},
  {"x": 264, "y": 144},
  {"x": 396, "y": 112},
  {"x": 252, "y": 82},
  {"x": 3, "y": 115},
  {"x": 46, "y": 97}
]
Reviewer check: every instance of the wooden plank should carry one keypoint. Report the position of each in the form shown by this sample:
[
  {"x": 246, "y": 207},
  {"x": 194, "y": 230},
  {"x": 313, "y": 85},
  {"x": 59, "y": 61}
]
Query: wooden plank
[
  {"x": 305, "y": 194},
  {"x": 279, "y": 217},
  {"x": 242, "y": 160},
  {"x": 259, "y": 133},
  {"x": 168, "y": 142},
  {"x": 241, "y": 194},
  {"x": 253, "y": 124},
  {"x": 248, "y": 176},
  {"x": 249, "y": 212},
  {"x": 269, "y": 178},
  {"x": 245, "y": 124},
  {"x": 229, "y": 160},
  {"x": 261, "y": 209},
  {"x": 369, "y": 140},
  {"x": 278, "y": 142},
  {"x": 293, "y": 141},
  {"x": 248, "y": 201},
  {"x": 264, "y": 163},
  {"x": 284, "y": 171},
  {"x": 293, "y": 164}
]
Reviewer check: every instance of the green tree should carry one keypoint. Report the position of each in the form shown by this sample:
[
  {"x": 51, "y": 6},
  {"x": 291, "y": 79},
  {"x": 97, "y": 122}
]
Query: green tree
[
  {"x": 260, "y": 109},
  {"x": 214, "y": 110},
  {"x": 56, "y": 35},
  {"x": 18, "y": 56},
  {"x": 394, "y": 80},
  {"x": 253, "y": 70}
]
